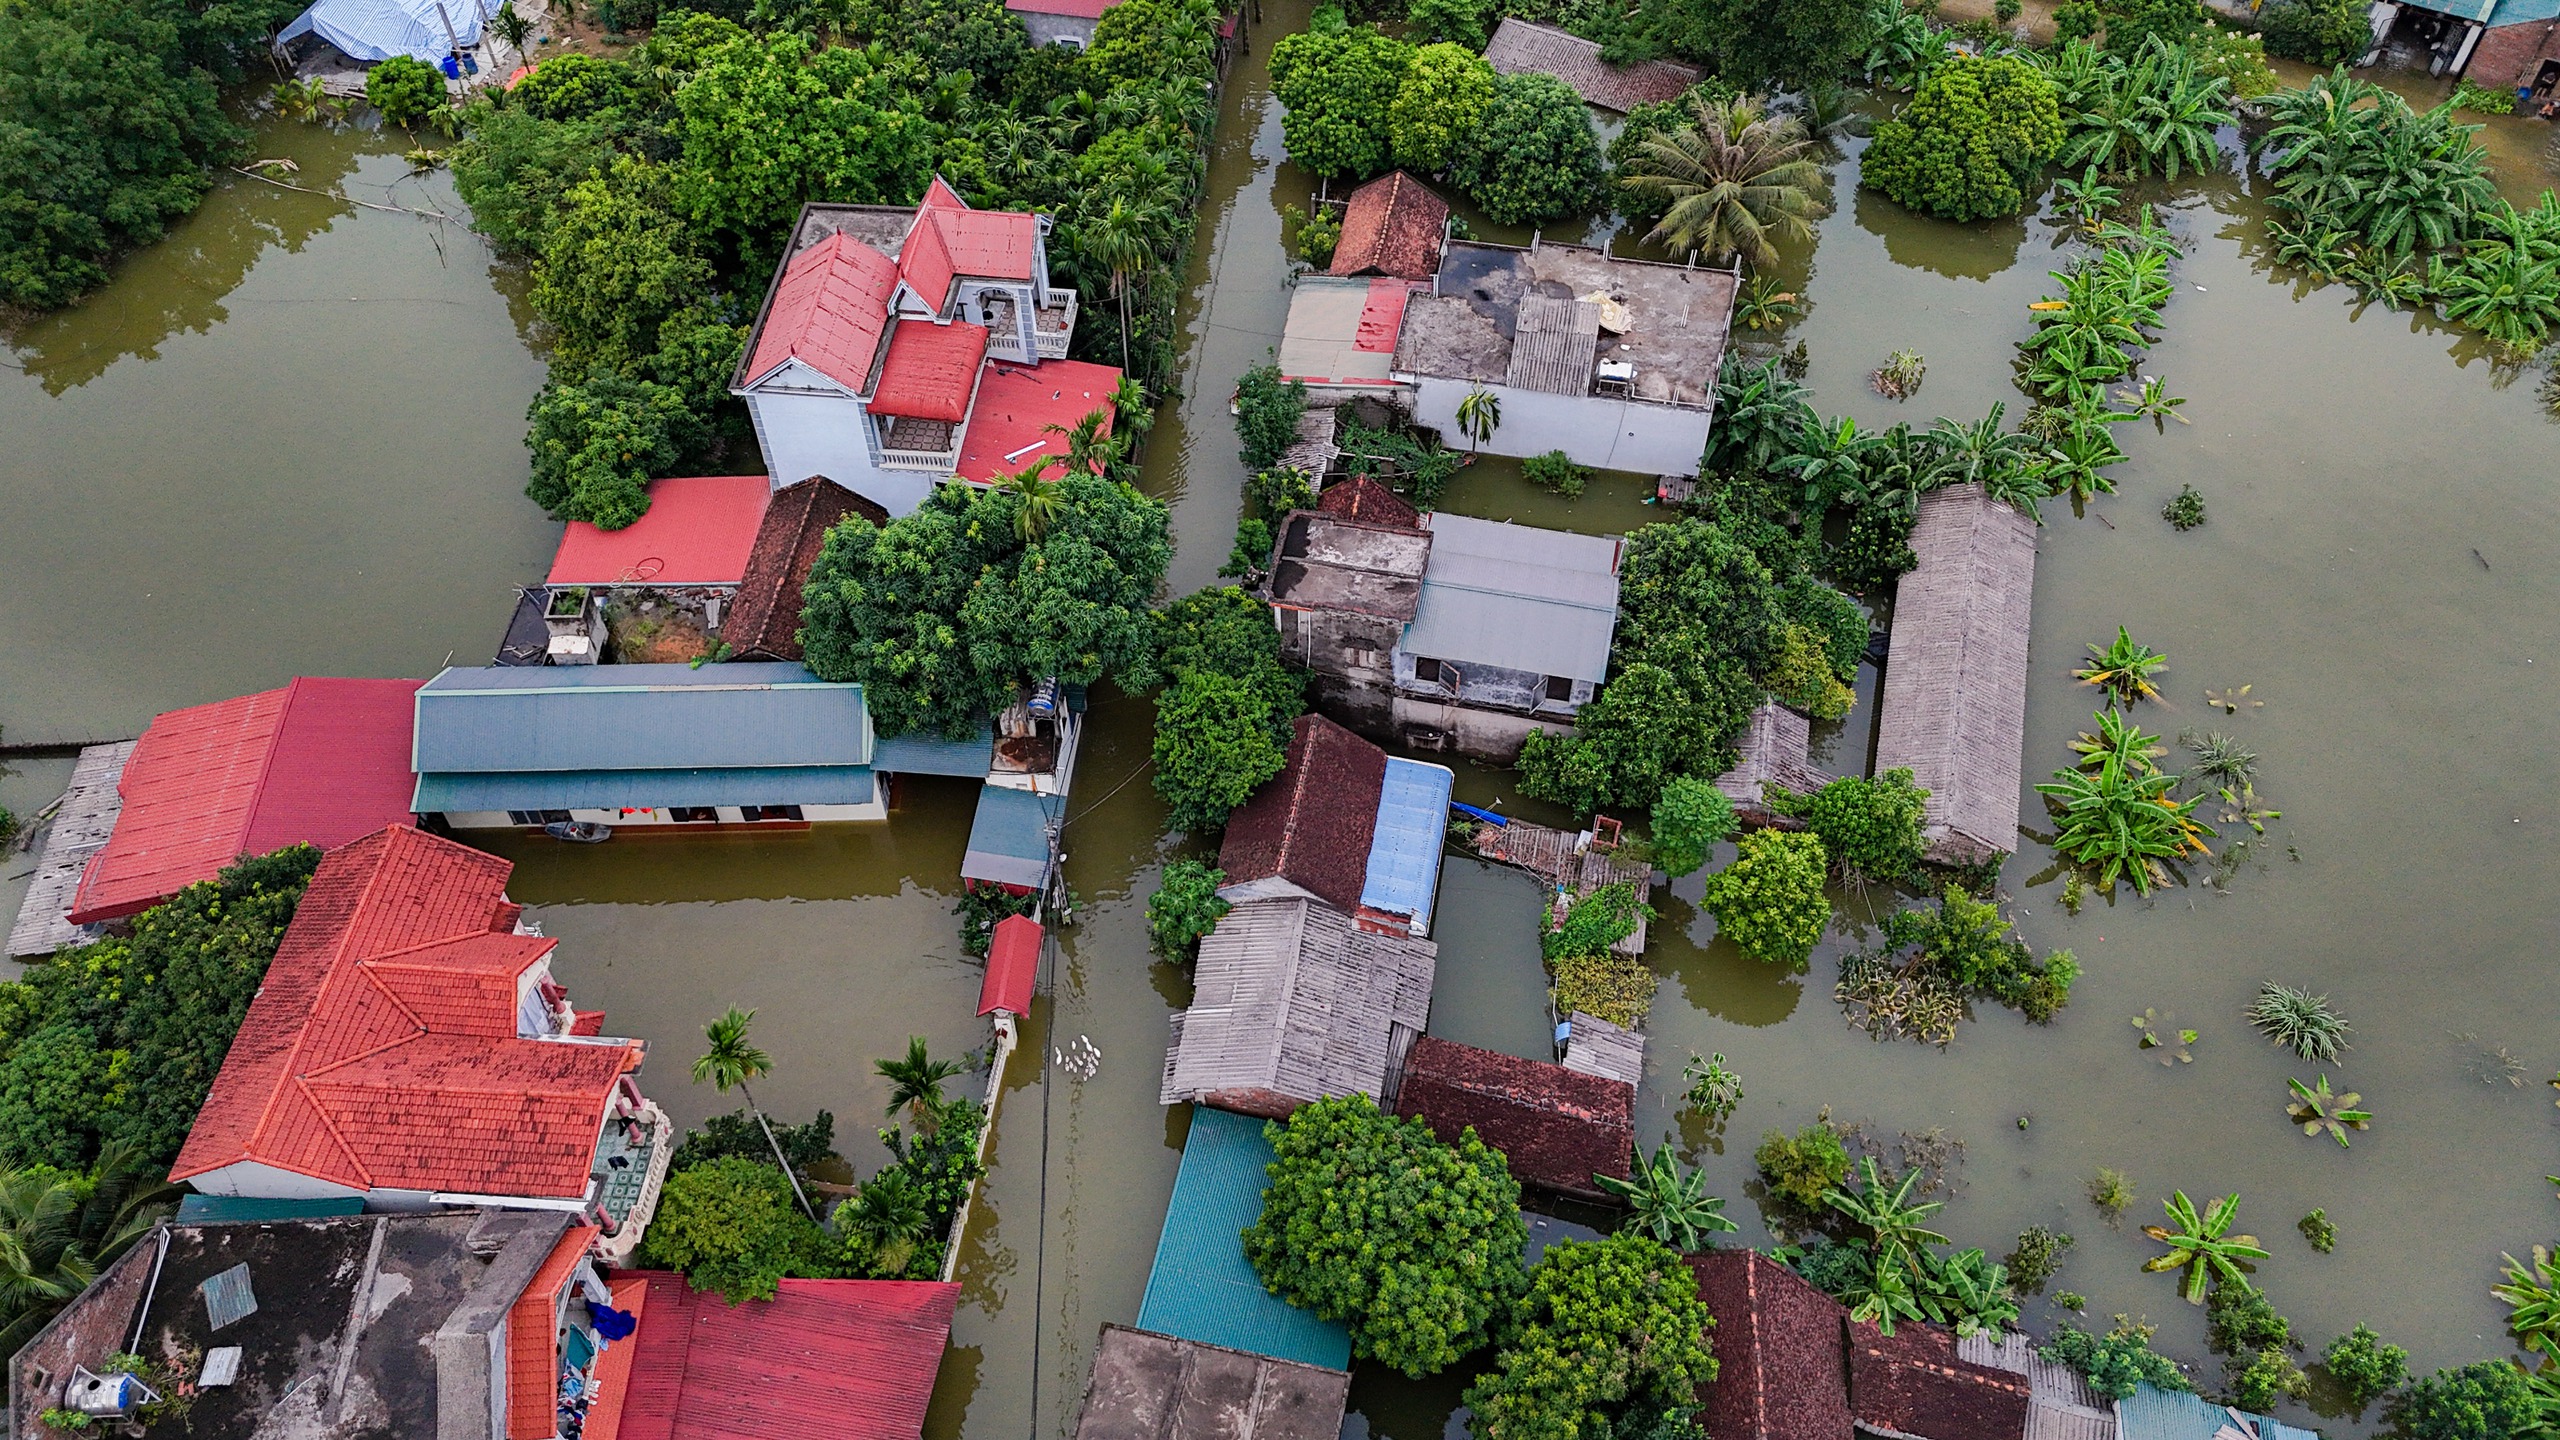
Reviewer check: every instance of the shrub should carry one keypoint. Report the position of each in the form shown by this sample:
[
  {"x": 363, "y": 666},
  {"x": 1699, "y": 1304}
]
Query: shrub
[
  {"x": 2364, "y": 1367},
  {"x": 1608, "y": 1325},
  {"x": 2242, "y": 1325},
  {"x": 1615, "y": 988},
  {"x": 737, "y": 1134},
  {"x": 2485, "y": 1400},
  {"x": 1965, "y": 146},
  {"x": 1213, "y": 748},
  {"x": 2323, "y": 33},
  {"x": 2481, "y": 100},
  {"x": 1185, "y": 908},
  {"x": 731, "y": 1226},
  {"x": 1373, "y": 1221},
  {"x": 596, "y": 445},
  {"x": 1874, "y": 551},
  {"x": 1535, "y": 157},
  {"x": 1868, "y": 828},
  {"x": 2111, "y": 1191},
  {"x": 1597, "y": 921},
  {"x": 1770, "y": 900},
  {"x": 2185, "y": 510},
  {"x": 2038, "y": 1257},
  {"x": 1967, "y": 944},
  {"x": 1267, "y": 411},
  {"x": 1800, "y": 1169},
  {"x": 2318, "y": 1230},
  {"x": 1690, "y": 818},
  {"x": 1833, "y": 616},
  {"x": 574, "y": 87},
  {"x": 404, "y": 89},
  {"x": 1556, "y": 471},
  {"x": 981, "y": 908},
  {"x": 1224, "y": 631},
  {"x": 2116, "y": 1362},
  {"x": 1646, "y": 728},
  {"x": 1800, "y": 675}
]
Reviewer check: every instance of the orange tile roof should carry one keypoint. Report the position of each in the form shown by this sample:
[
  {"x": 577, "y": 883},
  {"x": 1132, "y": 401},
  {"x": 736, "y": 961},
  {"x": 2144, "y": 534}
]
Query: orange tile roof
[
  {"x": 949, "y": 240},
  {"x": 381, "y": 1052},
  {"x": 931, "y": 372},
  {"x": 828, "y": 312},
  {"x": 613, "y": 1368},
  {"x": 533, "y": 1341}
]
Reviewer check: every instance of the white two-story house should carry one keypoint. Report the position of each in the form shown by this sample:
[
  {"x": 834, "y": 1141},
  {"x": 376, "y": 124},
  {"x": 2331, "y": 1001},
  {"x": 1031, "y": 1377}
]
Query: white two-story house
[{"x": 902, "y": 347}]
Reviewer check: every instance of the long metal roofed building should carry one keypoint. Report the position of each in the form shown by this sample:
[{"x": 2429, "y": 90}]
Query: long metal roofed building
[{"x": 1954, "y": 710}]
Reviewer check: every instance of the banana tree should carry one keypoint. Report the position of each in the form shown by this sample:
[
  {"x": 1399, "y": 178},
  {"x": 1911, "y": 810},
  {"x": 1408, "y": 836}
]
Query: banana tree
[
  {"x": 1670, "y": 1205},
  {"x": 1831, "y": 460},
  {"x": 2315, "y": 1110},
  {"x": 2532, "y": 1293},
  {"x": 1887, "y": 1297},
  {"x": 2123, "y": 669},
  {"x": 2202, "y": 1246},
  {"x": 1888, "y": 1214}
]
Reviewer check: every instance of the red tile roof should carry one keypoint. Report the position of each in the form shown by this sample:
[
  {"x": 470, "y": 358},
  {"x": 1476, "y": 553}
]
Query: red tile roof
[
  {"x": 931, "y": 370},
  {"x": 1013, "y": 959},
  {"x": 846, "y": 1359},
  {"x": 320, "y": 761},
  {"x": 1780, "y": 1371},
  {"x": 1361, "y": 498},
  {"x": 699, "y": 531},
  {"x": 1556, "y": 1127},
  {"x": 613, "y": 1368},
  {"x": 766, "y": 623},
  {"x": 1313, "y": 823},
  {"x": 828, "y": 311},
  {"x": 1391, "y": 226},
  {"x": 381, "y": 1051},
  {"x": 533, "y": 1341},
  {"x": 1016, "y": 403},
  {"x": 1911, "y": 1382},
  {"x": 949, "y": 240}
]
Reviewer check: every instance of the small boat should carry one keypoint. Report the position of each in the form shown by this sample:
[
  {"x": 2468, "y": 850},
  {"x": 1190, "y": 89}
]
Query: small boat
[{"x": 578, "y": 832}]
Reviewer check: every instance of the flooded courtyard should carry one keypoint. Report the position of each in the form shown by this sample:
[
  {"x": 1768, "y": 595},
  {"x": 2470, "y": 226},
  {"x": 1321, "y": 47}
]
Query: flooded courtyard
[{"x": 288, "y": 441}]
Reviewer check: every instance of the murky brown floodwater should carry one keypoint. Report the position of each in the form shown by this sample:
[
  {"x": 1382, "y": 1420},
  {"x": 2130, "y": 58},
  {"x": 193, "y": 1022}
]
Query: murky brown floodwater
[{"x": 221, "y": 473}]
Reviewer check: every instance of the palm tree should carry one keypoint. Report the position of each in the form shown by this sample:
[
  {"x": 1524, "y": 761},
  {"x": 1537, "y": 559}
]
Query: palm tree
[
  {"x": 54, "y": 1238},
  {"x": 1132, "y": 412},
  {"x": 1669, "y": 1205},
  {"x": 1889, "y": 1215},
  {"x": 1036, "y": 497},
  {"x": 1089, "y": 450},
  {"x": 1479, "y": 415},
  {"x": 889, "y": 1217},
  {"x": 2200, "y": 1246},
  {"x": 734, "y": 1060},
  {"x": 1116, "y": 241},
  {"x": 1734, "y": 176},
  {"x": 916, "y": 1081}
]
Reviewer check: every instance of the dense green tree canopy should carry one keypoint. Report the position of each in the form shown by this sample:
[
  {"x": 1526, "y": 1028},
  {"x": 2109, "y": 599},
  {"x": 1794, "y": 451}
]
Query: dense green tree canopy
[
  {"x": 1770, "y": 901},
  {"x": 1966, "y": 145},
  {"x": 1213, "y": 748},
  {"x": 731, "y": 1226},
  {"x": 1373, "y": 1221},
  {"x": 614, "y": 266},
  {"x": 1754, "y": 46},
  {"x": 1224, "y": 631},
  {"x": 596, "y": 445},
  {"x": 1437, "y": 110},
  {"x": 404, "y": 89},
  {"x": 1609, "y": 1326},
  {"x": 1338, "y": 84},
  {"x": 1690, "y": 818},
  {"x": 943, "y": 613},
  {"x": 1535, "y": 157}
]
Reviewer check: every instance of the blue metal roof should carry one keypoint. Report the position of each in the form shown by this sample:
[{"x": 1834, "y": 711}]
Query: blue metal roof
[
  {"x": 2155, "y": 1414},
  {"x": 642, "y": 789},
  {"x": 637, "y": 717},
  {"x": 1202, "y": 1287},
  {"x": 246, "y": 1209},
  {"x": 922, "y": 752},
  {"x": 1413, "y": 822},
  {"x": 1009, "y": 839}
]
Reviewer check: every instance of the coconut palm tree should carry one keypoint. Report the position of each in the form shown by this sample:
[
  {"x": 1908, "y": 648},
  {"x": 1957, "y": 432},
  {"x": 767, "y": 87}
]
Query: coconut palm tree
[
  {"x": 1116, "y": 242},
  {"x": 1036, "y": 497},
  {"x": 916, "y": 1081},
  {"x": 734, "y": 1060},
  {"x": 2201, "y": 1246},
  {"x": 57, "y": 1231},
  {"x": 888, "y": 1215},
  {"x": 1668, "y": 1204},
  {"x": 1735, "y": 178},
  {"x": 1479, "y": 415}
]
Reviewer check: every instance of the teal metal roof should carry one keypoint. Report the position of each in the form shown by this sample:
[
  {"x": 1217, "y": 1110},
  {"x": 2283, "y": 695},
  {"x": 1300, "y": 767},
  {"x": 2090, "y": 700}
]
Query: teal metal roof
[
  {"x": 639, "y": 789},
  {"x": 1009, "y": 839},
  {"x": 637, "y": 717},
  {"x": 925, "y": 753},
  {"x": 1202, "y": 1287},
  {"x": 1404, "y": 852},
  {"x": 2155, "y": 1414},
  {"x": 246, "y": 1209}
]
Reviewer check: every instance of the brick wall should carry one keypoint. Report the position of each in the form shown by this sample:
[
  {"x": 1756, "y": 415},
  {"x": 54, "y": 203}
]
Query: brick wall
[
  {"x": 2511, "y": 55},
  {"x": 97, "y": 1325}
]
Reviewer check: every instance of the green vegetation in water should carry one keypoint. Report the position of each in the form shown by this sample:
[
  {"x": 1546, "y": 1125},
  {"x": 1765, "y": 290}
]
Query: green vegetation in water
[
  {"x": 1612, "y": 987},
  {"x": 1729, "y": 178},
  {"x": 2221, "y": 758},
  {"x": 2257, "y": 1345},
  {"x": 1713, "y": 1090},
  {"x": 1869, "y": 828},
  {"x": 2123, "y": 668},
  {"x": 2202, "y": 1248},
  {"x": 2315, "y": 1109},
  {"x": 2037, "y": 1258},
  {"x": 1800, "y": 1169},
  {"x": 1887, "y": 1266},
  {"x": 2116, "y": 1362},
  {"x": 1609, "y": 1331},
  {"x": 1971, "y": 141},
  {"x": 2117, "y": 813},
  {"x": 1771, "y": 901},
  {"x": 1915, "y": 984},
  {"x": 1898, "y": 378},
  {"x": 1557, "y": 473},
  {"x": 2481, "y": 100},
  {"x": 2112, "y": 1192},
  {"x": 2071, "y": 1300},
  {"x": 2300, "y": 1021},
  {"x": 1267, "y": 411},
  {"x": 1764, "y": 303},
  {"x": 1668, "y": 1203},
  {"x": 1690, "y": 818},
  {"x": 980, "y": 907},
  {"x": 2317, "y": 1229},
  {"x": 1185, "y": 908},
  {"x": 2364, "y": 1368},
  {"x": 1312, "y": 238}
]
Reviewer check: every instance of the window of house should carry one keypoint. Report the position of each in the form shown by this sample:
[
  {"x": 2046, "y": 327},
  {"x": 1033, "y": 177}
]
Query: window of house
[
  {"x": 1560, "y": 688},
  {"x": 536, "y": 817},
  {"x": 1427, "y": 671},
  {"x": 770, "y": 812},
  {"x": 693, "y": 814}
]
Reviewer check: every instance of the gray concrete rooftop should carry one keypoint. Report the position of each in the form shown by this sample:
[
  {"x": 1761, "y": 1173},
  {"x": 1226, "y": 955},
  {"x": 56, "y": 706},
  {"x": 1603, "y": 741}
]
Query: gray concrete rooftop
[
  {"x": 1325, "y": 563},
  {"x": 1147, "y": 1386},
  {"x": 1677, "y": 319}
]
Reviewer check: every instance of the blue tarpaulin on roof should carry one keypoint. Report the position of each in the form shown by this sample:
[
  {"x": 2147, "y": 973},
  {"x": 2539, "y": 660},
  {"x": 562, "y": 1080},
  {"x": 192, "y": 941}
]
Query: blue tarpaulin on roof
[
  {"x": 1009, "y": 839},
  {"x": 247, "y": 1209},
  {"x": 379, "y": 29},
  {"x": 1202, "y": 1287},
  {"x": 1404, "y": 854}
]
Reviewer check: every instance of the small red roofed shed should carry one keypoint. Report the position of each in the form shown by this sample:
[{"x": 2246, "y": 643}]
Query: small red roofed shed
[
  {"x": 319, "y": 762},
  {"x": 1008, "y": 428},
  {"x": 1013, "y": 962},
  {"x": 699, "y": 530},
  {"x": 1392, "y": 226},
  {"x": 842, "y": 1359}
]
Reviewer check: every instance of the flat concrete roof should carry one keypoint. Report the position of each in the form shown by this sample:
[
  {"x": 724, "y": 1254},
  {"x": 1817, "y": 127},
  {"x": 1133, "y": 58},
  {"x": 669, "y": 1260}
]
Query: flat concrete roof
[
  {"x": 1147, "y": 1386},
  {"x": 1326, "y": 563},
  {"x": 1341, "y": 331},
  {"x": 1677, "y": 319}
]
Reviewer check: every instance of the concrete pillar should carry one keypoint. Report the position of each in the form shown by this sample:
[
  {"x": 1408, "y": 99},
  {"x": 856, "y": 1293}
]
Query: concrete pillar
[{"x": 2462, "y": 57}]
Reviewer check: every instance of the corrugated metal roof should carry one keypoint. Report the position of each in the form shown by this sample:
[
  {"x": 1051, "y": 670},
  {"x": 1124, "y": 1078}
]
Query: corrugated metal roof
[
  {"x": 1518, "y": 598},
  {"x": 1013, "y": 961},
  {"x": 2150, "y": 1413},
  {"x": 1202, "y": 1287},
  {"x": 1009, "y": 838},
  {"x": 698, "y": 530},
  {"x": 638, "y": 717},
  {"x": 1291, "y": 998},
  {"x": 854, "y": 1359},
  {"x": 922, "y": 752},
  {"x": 1016, "y": 405},
  {"x": 453, "y": 794},
  {"x": 1404, "y": 853},
  {"x": 1555, "y": 342}
]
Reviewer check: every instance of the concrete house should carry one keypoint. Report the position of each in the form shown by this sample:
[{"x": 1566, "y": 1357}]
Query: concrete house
[
  {"x": 1444, "y": 632},
  {"x": 411, "y": 1048},
  {"x": 901, "y": 347},
  {"x": 2500, "y": 44}
]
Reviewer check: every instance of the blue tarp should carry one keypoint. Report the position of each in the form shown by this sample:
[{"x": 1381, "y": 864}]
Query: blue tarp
[
  {"x": 1202, "y": 1287},
  {"x": 247, "y": 1209},
  {"x": 372, "y": 30},
  {"x": 1009, "y": 838},
  {"x": 1404, "y": 855}
]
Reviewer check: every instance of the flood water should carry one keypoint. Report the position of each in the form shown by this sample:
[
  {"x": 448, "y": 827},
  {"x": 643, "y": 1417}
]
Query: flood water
[{"x": 288, "y": 442}]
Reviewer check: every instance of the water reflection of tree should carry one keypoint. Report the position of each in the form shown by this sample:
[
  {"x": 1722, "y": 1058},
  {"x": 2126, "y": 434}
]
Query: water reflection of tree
[{"x": 179, "y": 284}]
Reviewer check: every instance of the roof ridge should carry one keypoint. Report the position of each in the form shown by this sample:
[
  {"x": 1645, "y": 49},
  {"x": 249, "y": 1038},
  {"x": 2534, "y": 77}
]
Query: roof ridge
[
  {"x": 329, "y": 1124},
  {"x": 334, "y": 951}
]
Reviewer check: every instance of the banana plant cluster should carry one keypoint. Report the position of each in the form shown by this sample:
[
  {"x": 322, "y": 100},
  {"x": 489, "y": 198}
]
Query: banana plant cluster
[
  {"x": 2202, "y": 1249},
  {"x": 2091, "y": 333},
  {"x": 1903, "y": 1276},
  {"x": 2155, "y": 111},
  {"x": 2118, "y": 813}
]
